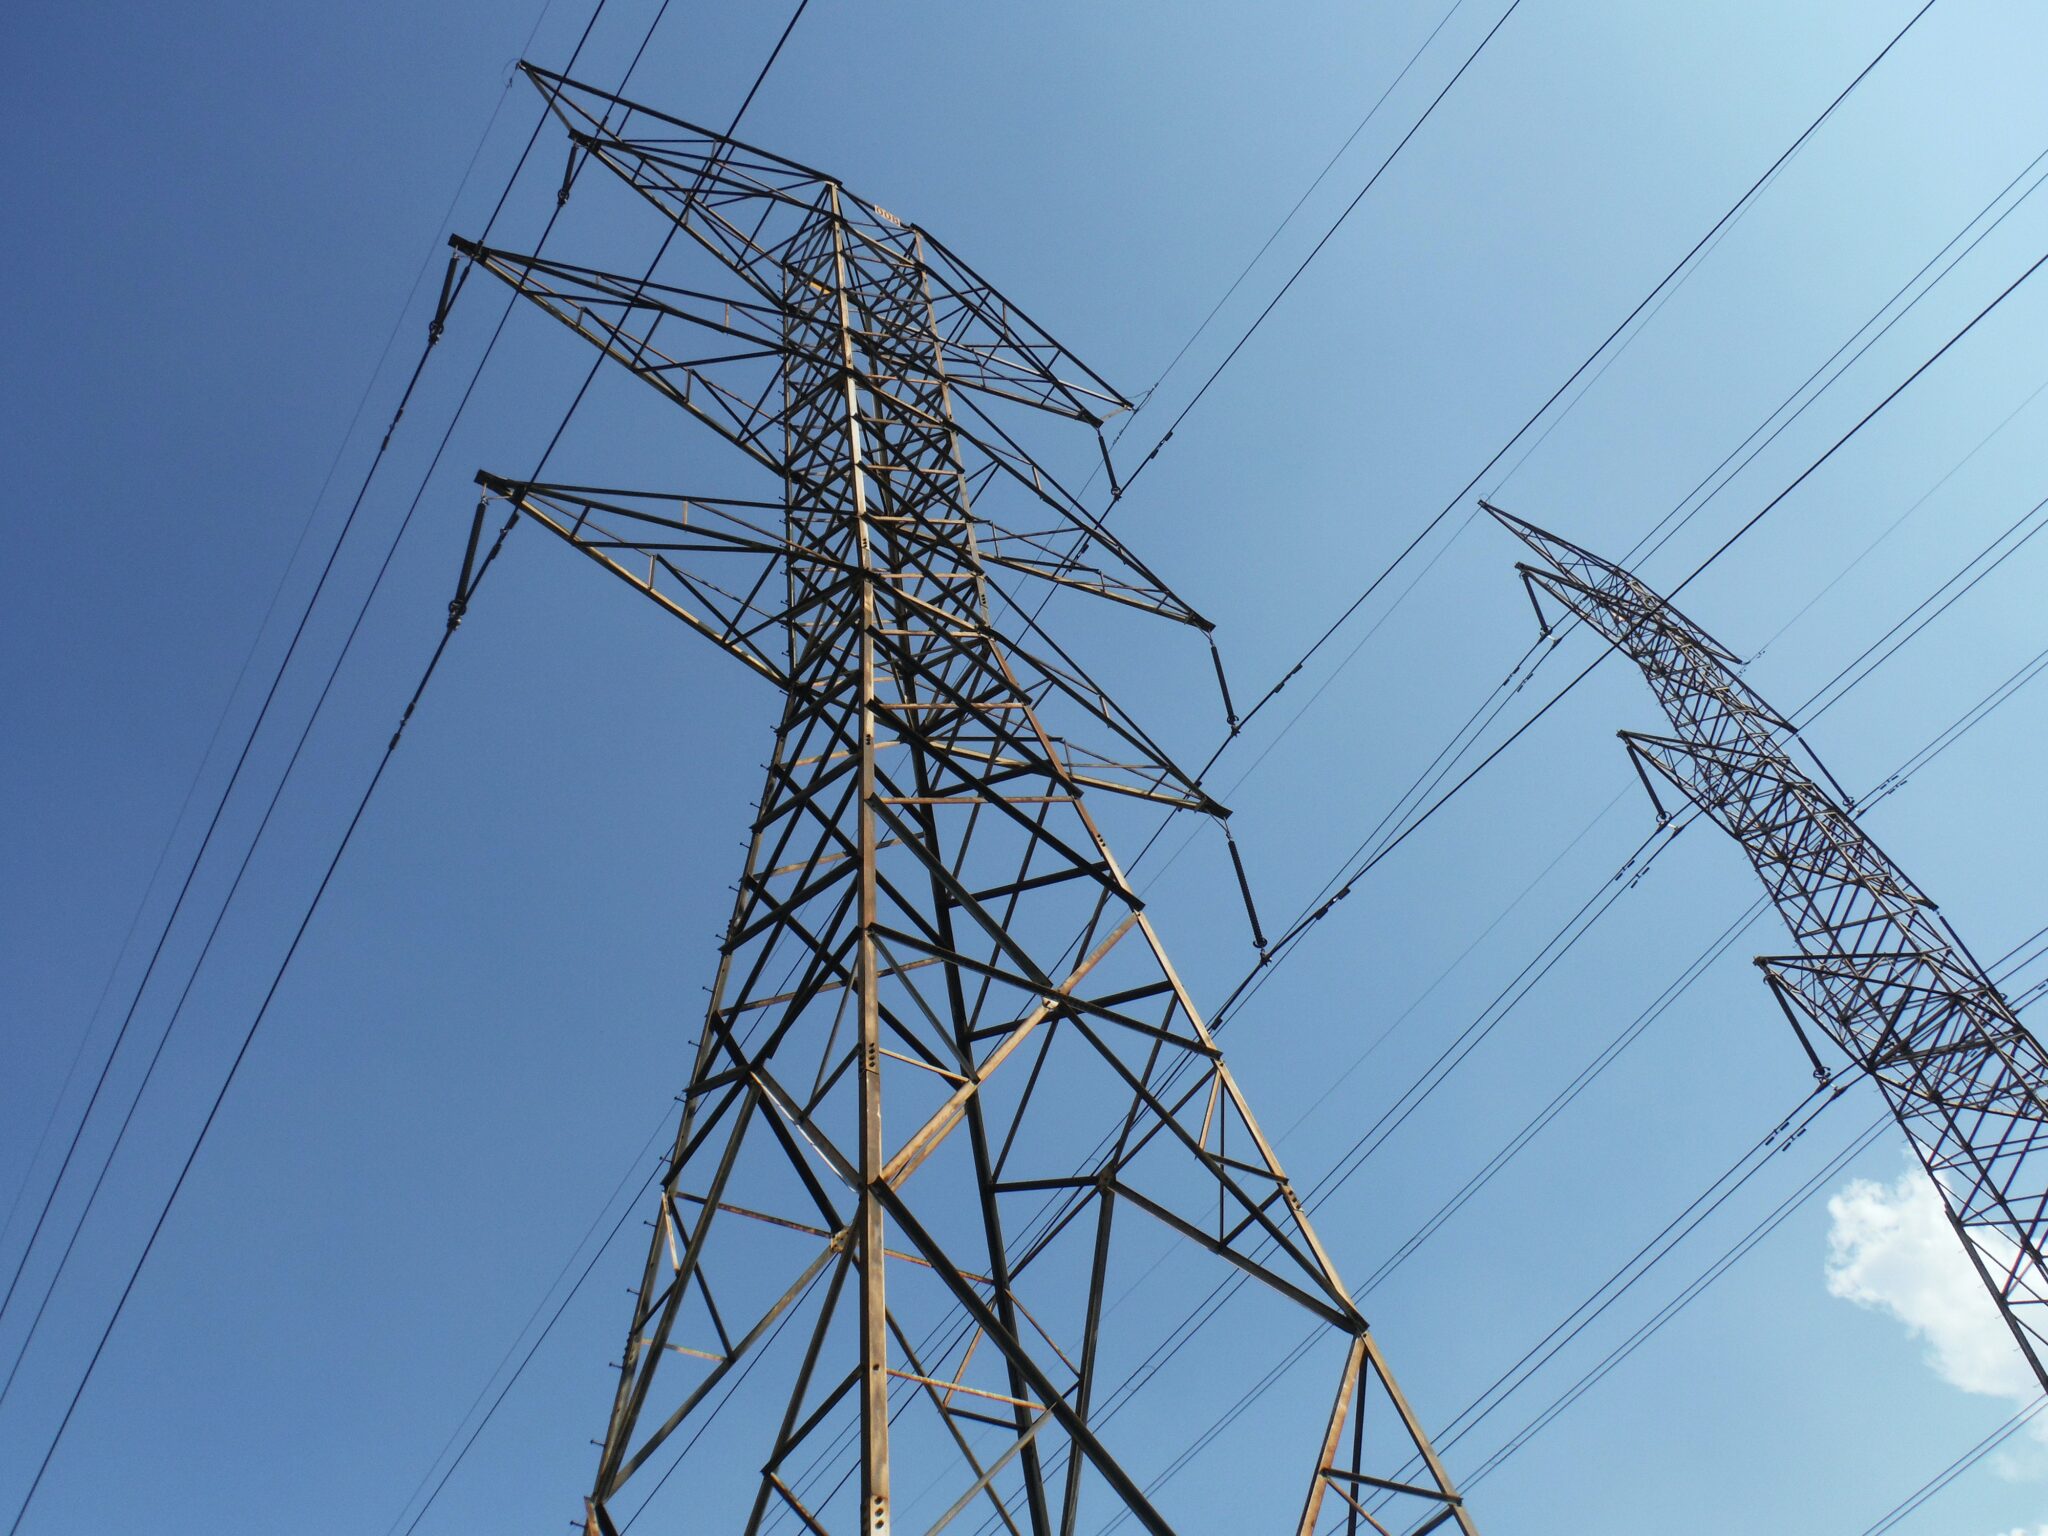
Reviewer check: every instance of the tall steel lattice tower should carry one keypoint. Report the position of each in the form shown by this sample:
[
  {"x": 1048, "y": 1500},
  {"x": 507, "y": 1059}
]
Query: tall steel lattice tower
[
  {"x": 1879, "y": 971},
  {"x": 947, "y": 1075}
]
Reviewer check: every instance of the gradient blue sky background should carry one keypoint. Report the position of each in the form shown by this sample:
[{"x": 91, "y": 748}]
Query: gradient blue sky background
[{"x": 214, "y": 216}]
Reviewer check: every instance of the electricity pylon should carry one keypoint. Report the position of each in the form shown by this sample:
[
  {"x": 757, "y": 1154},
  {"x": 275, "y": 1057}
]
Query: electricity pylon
[
  {"x": 1880, "y": 973},
  {"x": 947, "y": 1073}
]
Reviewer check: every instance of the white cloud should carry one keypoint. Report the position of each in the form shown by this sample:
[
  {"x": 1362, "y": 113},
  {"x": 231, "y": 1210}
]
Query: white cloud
[{"x": 1891, "y": 1248}]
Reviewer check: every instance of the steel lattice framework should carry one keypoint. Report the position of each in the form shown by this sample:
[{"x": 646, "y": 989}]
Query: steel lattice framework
[
  {"x": 947, "y": 1070},
  {"x": 1879, "y": 971}
]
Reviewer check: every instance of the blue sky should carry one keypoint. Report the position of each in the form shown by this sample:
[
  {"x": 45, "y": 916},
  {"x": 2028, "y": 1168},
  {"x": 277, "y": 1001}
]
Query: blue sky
[{"x": 216, "y": 219}]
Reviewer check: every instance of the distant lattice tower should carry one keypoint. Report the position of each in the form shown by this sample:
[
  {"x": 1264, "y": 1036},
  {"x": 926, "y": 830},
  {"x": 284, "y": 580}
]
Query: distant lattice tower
[
  {"x": 1879, "y": 972},
  {"x": 947, "y": 1073}
]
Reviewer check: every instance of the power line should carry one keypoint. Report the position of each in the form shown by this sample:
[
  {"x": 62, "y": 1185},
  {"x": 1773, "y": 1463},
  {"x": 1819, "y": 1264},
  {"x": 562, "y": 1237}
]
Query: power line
[
  {"x": 1900, "y": 388},
  {"x": 1513, "y": 1148},
  {"x": 1206, "y": 1310},
  {"x": 1898, "y": 522},
  {"x": 1698, "y": 246},
  {"x": 451, "y": 289},
  {"x": 242, "y": 1051},
  {"x": 1869, "y": 660},
  {"x": 1080, "y": 543},
  {"x": 1324, "y": 1188},
  {"x": 525, "y": 1360},
  {"x": 1314, "y": 251},
  {"x": 1367, "y": 861},
  {"x": 1760, "y": 441},
  {"x": 1685, "y": 1298},
  {"x": 1955, "y": 1469},
  {"x": 263, "y": 625},
  {"x": 248, "y": 744},
  {"x": 198, "y": 964},
  {"x": 1639, "y": 1264},
  {"x": 256, "y": 726},
  {"x": 539, "y": 1307},
  {"x": 1287, "y": 219}
]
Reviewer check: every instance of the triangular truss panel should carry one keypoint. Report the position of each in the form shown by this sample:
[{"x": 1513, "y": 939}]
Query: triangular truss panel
[{"x": 947, "y": 1072}]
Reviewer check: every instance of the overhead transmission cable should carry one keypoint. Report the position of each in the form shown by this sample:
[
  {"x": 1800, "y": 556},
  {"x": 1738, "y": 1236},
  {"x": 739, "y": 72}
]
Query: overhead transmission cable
[
  {"x": 1838, "y": 686},
  {"x": 1314, "y": 251},
  {"x": 1501, "y": 1159},
  {"x": 390, "y": 550},
  {"x": 1955, "y": 1469},
  {"x": 191, "y": 979},
  {"x": 1281, "y": 228},
  {"x": 248, "y": 1039},
  {"x": 1864, "y": 1140},
  {"x": 1666, "y": 528},
  {"x": 1117, "y": 490},
  {"x": 555, "y": 438},
  {"x": 1653, "y": 1252},
  {"x": 242, "y": 759},
  {"x": 262, "y": 627},
  {"x": 1885, "y": 533},
  {"x": 1691, "y": 1293},
  {"x": 1768, "y": 507},
  {"x": 532, "y": 1349},
  {"x": 1464, "y": 491},
  {"x": 1942, "y": 740},
  {"x": 1184, "y": 1332},
  {"x": 1574, "y": 929},
  {"x": 1689, "y": 1217},
  {"x": 1368, "y": 856},
  {"x": 1524, "y": 671},
  {"x": 450, "y": 291}
]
